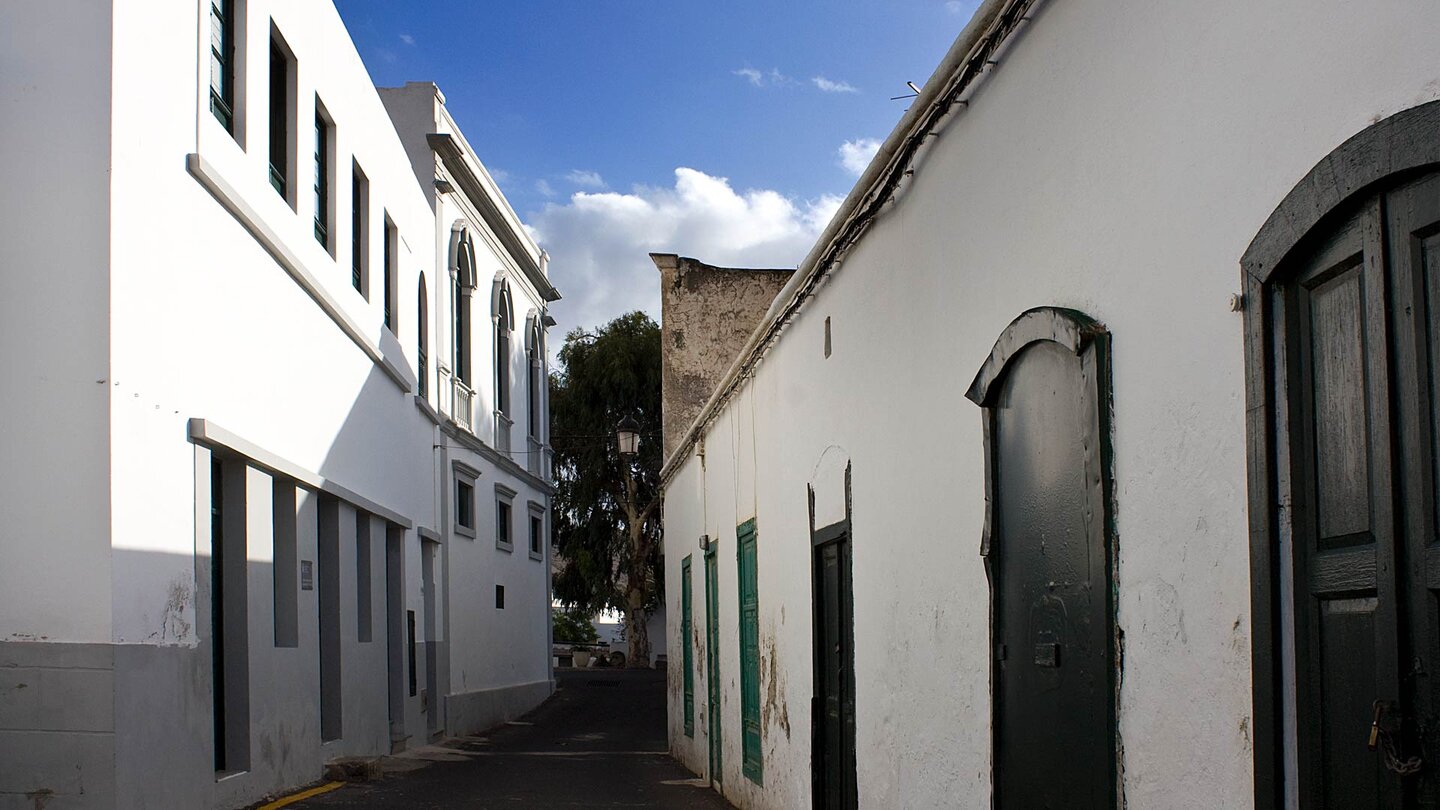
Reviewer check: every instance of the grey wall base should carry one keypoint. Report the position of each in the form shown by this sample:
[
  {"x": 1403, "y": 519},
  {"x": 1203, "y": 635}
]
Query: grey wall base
[
  {"x": 57, "y": 725},
  {"x": 473, "y": 712}
]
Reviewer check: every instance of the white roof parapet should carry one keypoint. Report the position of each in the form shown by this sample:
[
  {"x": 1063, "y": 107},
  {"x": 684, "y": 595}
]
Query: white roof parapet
[{"x": 969, "y": 56}]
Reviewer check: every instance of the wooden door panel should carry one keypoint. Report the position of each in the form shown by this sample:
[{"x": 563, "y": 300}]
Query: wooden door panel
[
  {"x": 1336, "y": 305},
  {"x": 1347, "y": 603}
]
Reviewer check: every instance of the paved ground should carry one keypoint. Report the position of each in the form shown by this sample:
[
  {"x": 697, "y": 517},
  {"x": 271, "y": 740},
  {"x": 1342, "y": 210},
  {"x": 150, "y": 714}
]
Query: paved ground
[{"x": 599, "y": 742}]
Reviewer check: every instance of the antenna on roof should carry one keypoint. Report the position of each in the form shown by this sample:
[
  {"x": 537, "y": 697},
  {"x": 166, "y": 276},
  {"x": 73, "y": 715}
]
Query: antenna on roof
[{"x": 910, "y": 85}]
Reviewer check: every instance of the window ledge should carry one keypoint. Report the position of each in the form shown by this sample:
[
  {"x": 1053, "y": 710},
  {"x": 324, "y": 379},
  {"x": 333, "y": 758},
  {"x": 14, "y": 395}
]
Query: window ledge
[
  {"x": 537, "y": 557},
  {"x": 508, "y": 548},
  {"x": 235, "y": 203},
  {"x": 465, "y": 531}
]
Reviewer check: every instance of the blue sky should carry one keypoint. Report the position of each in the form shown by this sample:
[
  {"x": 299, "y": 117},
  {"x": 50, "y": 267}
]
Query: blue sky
[{"x": 618, "y": 127}]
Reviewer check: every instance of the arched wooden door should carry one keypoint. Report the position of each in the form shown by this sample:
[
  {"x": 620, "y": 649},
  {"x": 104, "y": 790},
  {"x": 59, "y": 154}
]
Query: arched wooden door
[
  {"x": 1048, "y": 550},
  {"x": 1343, "y": 340}
]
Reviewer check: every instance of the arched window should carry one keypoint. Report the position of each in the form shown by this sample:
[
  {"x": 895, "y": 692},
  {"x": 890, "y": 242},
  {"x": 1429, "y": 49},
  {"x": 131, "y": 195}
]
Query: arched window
[
  {"x": 422, "y": 339},
  {"x": 535, "y": 381},
  {"x": 462, "y": 272},
  {"x": 504, "y": 325}
]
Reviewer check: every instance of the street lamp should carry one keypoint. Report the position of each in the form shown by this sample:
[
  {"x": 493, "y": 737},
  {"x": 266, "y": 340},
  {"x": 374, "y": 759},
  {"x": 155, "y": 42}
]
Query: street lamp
[{"x": 627, "y": 436}]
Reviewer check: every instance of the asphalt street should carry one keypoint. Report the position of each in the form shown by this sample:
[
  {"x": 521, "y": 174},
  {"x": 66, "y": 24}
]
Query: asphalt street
[{"x": 598, "y": 742}]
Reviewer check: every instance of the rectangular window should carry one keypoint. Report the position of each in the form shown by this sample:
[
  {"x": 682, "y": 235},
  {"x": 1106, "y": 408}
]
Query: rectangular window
[
  {"x": 364, "y": 618},
  {"x": 286, "y": 566},
  {"x": 465, "y": 504},
  {"x": 222, "y": 62},
  {"x": 500, "y": 597},
  {"x": 687, "y": 646},
  {"x": 279, "y": 119},
  {"x": 537, "y": 532},
  {"x": 502, "y": 524},
  {"x": 410, "y": 648},
  {"x": 749, "y": 652},
  {"x": 360, "y": 231},
  {"x": 323, "y": 142},
  {"x": 328, "y": 582},
  {"x": 391, "y": 245}
]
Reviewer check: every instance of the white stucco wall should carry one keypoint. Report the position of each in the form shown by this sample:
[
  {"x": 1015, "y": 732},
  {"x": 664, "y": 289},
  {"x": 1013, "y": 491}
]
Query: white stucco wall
[
  {"x": 155, "y": 284},
  {"x": 499, "y": 659},
  {"x": 54, "y": 398},
  {"x": 1117, "y": 161}
]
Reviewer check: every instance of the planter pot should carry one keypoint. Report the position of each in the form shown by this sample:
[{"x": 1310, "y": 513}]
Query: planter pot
[{"x": 581, "y": 658}]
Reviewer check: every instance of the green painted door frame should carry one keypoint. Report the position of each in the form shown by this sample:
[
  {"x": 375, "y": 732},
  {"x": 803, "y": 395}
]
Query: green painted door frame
[
  {"x": 687, "y": 644},
  {"x": 712, "y": 659},
  {"x": 747, "y": 565}
]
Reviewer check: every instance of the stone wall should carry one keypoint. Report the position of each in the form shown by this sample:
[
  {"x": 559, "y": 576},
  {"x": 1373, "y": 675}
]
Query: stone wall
[{"x": 707, "y": 312}]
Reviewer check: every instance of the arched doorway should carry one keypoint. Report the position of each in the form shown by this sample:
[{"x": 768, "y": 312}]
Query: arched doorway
[{"x": 1342, "y": 320}]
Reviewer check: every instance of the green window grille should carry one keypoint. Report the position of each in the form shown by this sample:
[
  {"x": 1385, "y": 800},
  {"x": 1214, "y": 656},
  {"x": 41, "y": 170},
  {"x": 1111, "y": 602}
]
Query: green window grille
[
  {"x": 279, "y": 114},
  {"x": 389, "y": 279},
  {"x": 222, "y": 62},
  {"x": 749, "y": 653},
  {"x": 322, "y": 181},
  {"x": 687, "y": 646},
  {"x": 357, "y": 230}
]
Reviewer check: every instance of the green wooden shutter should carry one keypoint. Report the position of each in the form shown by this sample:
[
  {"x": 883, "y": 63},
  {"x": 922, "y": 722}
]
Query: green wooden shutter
[
  {"x": 687, "y": 644},
  {"x": 749, "y": 652}
]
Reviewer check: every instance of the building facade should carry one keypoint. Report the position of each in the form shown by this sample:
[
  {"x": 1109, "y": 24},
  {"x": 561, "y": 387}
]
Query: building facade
[
  {"x": 1088, "y": 457},
  {"x": 230, "y": 555}
]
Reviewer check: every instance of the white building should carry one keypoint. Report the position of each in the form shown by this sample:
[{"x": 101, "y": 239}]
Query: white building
[
  {"x": 1012, "y": 497},
  {"x": 231, "y": 550}
]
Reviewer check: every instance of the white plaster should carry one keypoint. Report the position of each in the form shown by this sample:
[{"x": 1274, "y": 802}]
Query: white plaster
[{"x": 1118, "y": 161}]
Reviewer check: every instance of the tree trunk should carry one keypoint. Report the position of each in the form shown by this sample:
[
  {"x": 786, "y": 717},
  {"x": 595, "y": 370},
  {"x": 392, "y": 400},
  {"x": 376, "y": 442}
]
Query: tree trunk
[{"x": 636, "y": 631}]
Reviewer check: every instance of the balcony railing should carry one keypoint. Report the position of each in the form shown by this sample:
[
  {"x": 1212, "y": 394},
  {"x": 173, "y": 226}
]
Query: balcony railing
[
  {"x": 535, "y": 459},
  {"x": 503, "y": 424},
  {"x": 462, "y": 404}
]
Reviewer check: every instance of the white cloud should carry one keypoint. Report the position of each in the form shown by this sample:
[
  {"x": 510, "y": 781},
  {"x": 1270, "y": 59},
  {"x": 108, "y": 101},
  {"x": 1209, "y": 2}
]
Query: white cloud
[
  {"x": 407, "y": 39},
  {"x": 543, "y": 188},
  {"x": 756, "y": 77},
  {"x": 962, "y": 8},
  {"x": 599, "y": 242},
  {"x": 498, "y": 175},
  {"x": 856, "y": 155},
  {"x": 588, "y": 179},
  {"x": 773, "y": 78},
  {"x": 834, "y": 87}
]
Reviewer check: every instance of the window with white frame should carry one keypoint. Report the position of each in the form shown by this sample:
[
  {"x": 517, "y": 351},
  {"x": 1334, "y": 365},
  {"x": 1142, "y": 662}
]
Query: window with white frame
[{"x": 464, "y": 503}]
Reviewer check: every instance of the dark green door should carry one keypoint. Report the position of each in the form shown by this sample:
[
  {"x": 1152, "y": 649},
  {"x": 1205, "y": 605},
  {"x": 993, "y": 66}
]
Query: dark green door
[
  {"x": 712, "y": 661},
  {"x": 1355, "y": 327},
  {"x": 833, "y": 745},
  {"x": 687, "y": 645},
  {"x": 751, "y": 761}
]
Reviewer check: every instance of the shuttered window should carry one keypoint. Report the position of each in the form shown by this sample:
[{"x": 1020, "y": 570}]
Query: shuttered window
[
  {"x": 749, "y": 652},
  {"x": 222, "y": 62},
  {"x": 687, "y": 645}
]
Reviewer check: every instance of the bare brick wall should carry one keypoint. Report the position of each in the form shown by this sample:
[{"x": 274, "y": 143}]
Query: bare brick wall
[{"x": 707, "y": 313}]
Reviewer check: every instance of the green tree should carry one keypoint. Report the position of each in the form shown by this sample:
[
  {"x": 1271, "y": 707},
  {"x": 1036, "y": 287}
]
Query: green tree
[{"x": 607, "y": 507}]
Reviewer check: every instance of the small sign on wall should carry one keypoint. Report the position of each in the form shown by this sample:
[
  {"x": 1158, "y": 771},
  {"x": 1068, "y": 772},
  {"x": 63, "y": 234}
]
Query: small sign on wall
[{"x": 307, "y": 575}]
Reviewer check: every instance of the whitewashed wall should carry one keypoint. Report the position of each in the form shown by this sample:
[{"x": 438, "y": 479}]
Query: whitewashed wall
[
  {"x": 499, "y": 659},
  {"x": 1117, "y": 161}
]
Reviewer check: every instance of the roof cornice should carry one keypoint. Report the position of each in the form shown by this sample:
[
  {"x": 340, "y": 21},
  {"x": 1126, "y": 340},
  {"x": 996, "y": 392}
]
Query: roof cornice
[{"x": 501, "y": 220}]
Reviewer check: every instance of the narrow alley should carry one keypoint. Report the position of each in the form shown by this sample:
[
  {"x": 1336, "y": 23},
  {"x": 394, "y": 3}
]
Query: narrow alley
[{"x": 599, "y": 742}]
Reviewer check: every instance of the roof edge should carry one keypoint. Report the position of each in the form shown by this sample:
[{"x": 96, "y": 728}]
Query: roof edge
[{"x": 953, "y": 75}]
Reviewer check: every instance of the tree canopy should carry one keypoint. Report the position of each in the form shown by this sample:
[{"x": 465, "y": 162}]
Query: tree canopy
[{"x": 603, "y": 377}]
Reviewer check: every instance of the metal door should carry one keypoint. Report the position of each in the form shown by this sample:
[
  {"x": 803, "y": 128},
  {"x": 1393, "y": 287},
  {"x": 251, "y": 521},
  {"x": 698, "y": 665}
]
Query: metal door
[
  {"x": 1047, "y": 546},
  {"x": 833, "y": 760}
]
